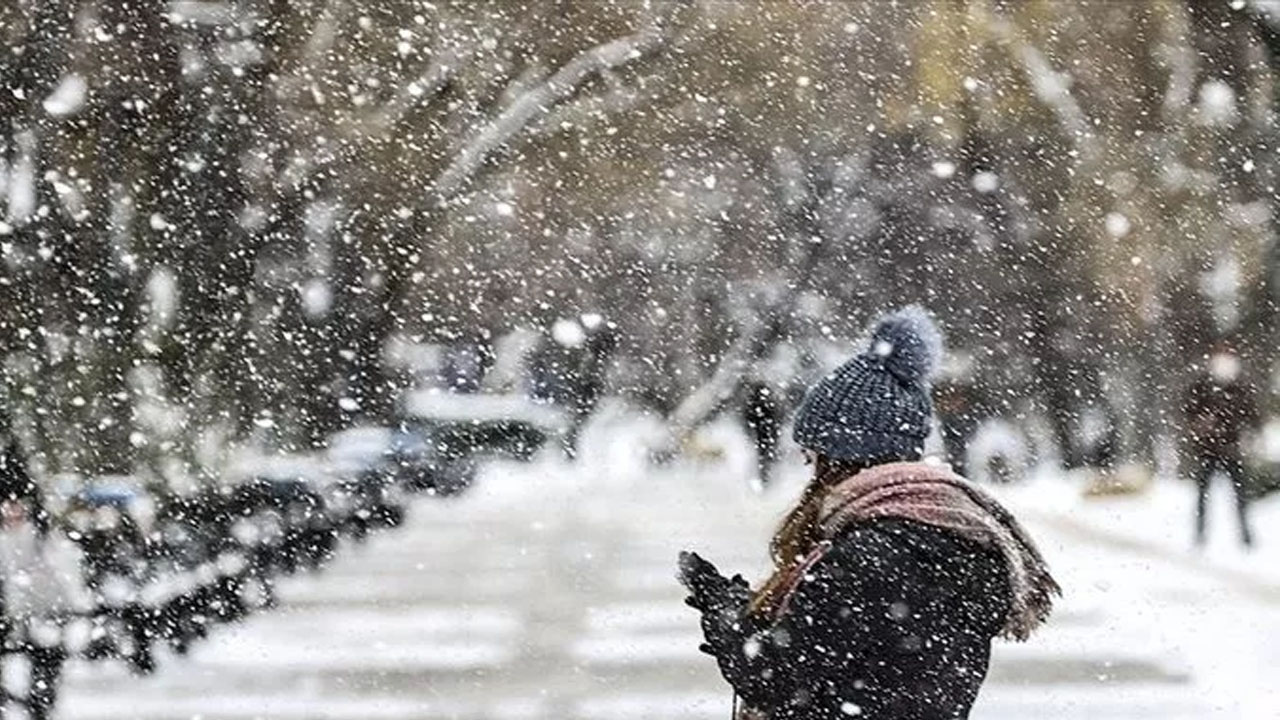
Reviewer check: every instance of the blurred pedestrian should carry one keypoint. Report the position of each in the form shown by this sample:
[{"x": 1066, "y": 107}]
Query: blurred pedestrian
[
  {"x": 1097, "y": 435},
  {"x": 465, "y": 363},
  {"x": 570, "y": 368},
  {"x": 600, "y": 343},
  {"x": 1220, "y": 406},
  {"x": 553, "y": 366},
  {"x": 36, "y": 598},
  {"x": 771, "y": 390},
  {"x": 892, "y": 575},
  {"x": 36, "y": 594},
  {"x": 16, "y": 483},
  {"x": 959, "y": 413},
  {"x": 762, "y": 415}
]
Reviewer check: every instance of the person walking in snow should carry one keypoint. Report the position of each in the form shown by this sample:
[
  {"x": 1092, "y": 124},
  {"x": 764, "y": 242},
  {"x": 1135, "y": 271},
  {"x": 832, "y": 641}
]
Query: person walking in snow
[
  {"x": 36, "y": 594},
  {"x": 762, "y": 416},
  {"x": 960, "y": 413},
  {"x": 571, "y": 367},
  {"x": 1219, "y": 408},
  {"x": 602, "y": 340},
  {"x": 16, "y": 483},
  {"x": 892, "y": 575},
  {"x": 769, "y": 392}
]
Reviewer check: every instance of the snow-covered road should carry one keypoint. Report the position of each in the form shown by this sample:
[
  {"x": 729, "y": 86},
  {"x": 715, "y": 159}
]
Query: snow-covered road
[{"x": 548, "y": 593}]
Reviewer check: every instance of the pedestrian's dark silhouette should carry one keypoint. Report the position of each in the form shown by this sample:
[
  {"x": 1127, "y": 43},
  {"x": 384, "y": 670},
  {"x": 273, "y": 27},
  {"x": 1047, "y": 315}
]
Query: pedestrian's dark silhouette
[
  {"x": 465, "y": 364},
  {"x": 570, "y": 368},
  {"x": 1219, "y": 407},
  {"x": 592, "y": 372},
  {"x": 16, "y": 483},
  {"x": 1099, "y": 431},
  {"x": 553, "y": 366},
  {"x": 891, "y": 575},
  {"x": 959, "y": 413},
  {"x": 16, "y": 487},
  {"x": 762, "y": 415},
  {"x": 21, "y": 497}
]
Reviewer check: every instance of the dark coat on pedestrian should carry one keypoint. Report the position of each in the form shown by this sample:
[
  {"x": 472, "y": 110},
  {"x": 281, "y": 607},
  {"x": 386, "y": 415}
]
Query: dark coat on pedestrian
[
  {"x": 1218, "y": 412},
  {"x": 762, "y": 414},
  {"x": 17, "y": 485},
  {"x": 895, "y": 621},
  {"x": 892, "y": 613},
  {"x": 1219, "y": 408}
]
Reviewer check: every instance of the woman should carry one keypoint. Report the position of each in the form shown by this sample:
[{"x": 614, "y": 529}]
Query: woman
[{"x": 891, "y": 575}]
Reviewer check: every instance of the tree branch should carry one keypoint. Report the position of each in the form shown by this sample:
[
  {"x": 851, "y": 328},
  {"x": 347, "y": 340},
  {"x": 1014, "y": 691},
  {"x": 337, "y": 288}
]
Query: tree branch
[
  {"x": 798, "y": 199},
  {"x": 443, "y": 67},
  {"x": 560, "y": 86},
  {"x": 1050, "y": 86},
  {"x": 585, "y": 110}
]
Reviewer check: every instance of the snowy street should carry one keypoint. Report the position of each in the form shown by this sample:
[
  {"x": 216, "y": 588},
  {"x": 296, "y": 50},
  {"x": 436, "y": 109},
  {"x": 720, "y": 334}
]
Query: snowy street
[
  {"x": 547, "y": 592},
  {"x": 382, "y": 358}
]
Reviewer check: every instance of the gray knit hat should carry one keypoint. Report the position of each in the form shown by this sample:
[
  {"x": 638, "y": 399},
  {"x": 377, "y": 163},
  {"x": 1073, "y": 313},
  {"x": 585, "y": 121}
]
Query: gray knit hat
[{"x": 876, "y": 406}]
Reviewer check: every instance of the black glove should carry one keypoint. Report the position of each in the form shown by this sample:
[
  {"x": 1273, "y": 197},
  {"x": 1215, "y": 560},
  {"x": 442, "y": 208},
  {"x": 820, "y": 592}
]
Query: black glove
[
  {"x": 721, "y": 601},
  {"x": 709, "y": 591}
]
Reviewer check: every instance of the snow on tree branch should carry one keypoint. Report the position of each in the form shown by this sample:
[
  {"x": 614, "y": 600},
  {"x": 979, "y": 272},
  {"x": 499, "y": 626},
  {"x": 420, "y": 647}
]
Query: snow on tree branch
[
  {"x": 442, "y": 68},
  {"x": 618, "y": 99},
  {"x": 541, "y": 99},
  {"x": 1053, "y": 88}
]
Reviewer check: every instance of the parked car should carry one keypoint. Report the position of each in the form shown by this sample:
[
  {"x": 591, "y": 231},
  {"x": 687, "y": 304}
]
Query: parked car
[
  {"x": 470, "y": 425},
  {"x": 423, "y": 465},
  {"x": 287, "y": 508},
  {"x": 110, "y": 519},
  {"x": 406, "y": 454}
]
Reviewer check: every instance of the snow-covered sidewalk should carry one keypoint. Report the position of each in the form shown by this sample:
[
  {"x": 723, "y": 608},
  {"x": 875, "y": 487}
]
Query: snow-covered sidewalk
[
  {"x": 1160, "y": 520},
  {"x": 547, "y": 593},
  {"x": 1208, "y": 616}
]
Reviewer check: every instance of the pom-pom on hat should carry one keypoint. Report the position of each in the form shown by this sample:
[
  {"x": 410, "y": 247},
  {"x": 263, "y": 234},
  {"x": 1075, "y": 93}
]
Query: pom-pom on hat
[{"x": 876, "y": 407}]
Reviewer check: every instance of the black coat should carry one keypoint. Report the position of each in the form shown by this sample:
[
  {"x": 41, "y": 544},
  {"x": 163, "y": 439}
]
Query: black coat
[
  {"x": 15, "y": 480},
  {"x": 894, "y": 622},
  {"x": 1217, "y": 414},
  {"x": 17, "y": 484}
]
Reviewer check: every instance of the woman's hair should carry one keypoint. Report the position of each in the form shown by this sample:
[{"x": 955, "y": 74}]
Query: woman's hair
[
  {"x": 797, "y": 535},
  {"x": 798, "y": 532}
]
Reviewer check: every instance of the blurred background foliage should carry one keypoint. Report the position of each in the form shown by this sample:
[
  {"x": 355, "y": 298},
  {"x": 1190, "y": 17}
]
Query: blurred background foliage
[{"x": 220, "y": 214}]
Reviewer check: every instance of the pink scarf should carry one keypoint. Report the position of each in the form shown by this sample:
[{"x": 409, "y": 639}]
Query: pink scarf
[{"x": 933, "y": 495}]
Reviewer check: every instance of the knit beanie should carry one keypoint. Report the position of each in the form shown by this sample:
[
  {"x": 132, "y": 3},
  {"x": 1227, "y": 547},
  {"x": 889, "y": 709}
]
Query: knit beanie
[{"x": 876, "y": 406}]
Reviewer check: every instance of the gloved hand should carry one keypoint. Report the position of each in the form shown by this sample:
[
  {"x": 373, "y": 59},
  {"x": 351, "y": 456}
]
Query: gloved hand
[
  {"x": 722, "y": 602},
  {"x": 709, "y": 591}
]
